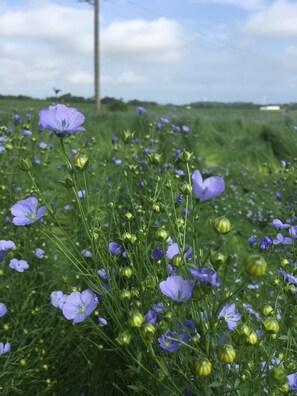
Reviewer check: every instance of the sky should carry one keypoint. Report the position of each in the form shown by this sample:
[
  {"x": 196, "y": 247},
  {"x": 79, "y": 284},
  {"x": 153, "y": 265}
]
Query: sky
[{"x": 167, "y": 51}]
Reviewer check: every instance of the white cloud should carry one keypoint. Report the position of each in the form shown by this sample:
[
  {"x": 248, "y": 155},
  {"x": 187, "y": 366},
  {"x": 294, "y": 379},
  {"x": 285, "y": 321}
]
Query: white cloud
[
  {"x": 80, "y": 77},
  {"x": 277, "y": 20},
  {"x": 130, "y": 78},
  {"x": 157, "y": 41}
]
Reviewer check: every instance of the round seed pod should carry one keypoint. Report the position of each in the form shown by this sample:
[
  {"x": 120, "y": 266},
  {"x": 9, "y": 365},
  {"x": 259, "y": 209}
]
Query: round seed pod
[
  {"x": 202, "y": 367},
  {"x": 255, "y": 265},
  {"x": 226, "y": 353}
]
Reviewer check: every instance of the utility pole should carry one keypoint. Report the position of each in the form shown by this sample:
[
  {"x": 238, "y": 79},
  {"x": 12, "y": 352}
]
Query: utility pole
[
  {"x": 96, "y": 56},
  {"x": 95, "y": 4}
]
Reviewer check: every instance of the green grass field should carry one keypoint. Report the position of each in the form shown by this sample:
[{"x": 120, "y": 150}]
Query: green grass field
[{"x": 120, "y": 181}]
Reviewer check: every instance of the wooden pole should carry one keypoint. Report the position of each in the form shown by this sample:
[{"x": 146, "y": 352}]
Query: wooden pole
[{"x": 96, "y": 56}]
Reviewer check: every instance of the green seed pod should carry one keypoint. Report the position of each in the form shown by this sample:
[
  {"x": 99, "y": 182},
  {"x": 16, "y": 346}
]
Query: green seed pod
[
  {"x": 255, "y": 265},
  {"x": 266, "y": 309},
  {"x": 271, "y": 325},
  {"x": 161, "y": 235},
  {"x": 202, "y": 367},
  {"x": 186, "y": 157},
  {"x": 136, "y": 319},
  {"x": 126, "y": 272},
  {"x": 218, "y": 259},
  {"x": 226, "y": 353},
  {"x": 177, "y": 260},
  {"x": 222, "y": 225},
  {"x": 252, "y": 338}
]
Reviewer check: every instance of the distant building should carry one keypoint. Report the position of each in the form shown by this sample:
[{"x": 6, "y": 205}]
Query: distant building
[{"x": 270, "y": 108}]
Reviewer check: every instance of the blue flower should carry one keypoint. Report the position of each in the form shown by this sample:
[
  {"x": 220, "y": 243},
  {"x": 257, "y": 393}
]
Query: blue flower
[
  {"x": 265, "y": 242},
  {"x": 18, "y": 265},
  {"x": 61, "y": 119},
  {"x": 288, "y": 277},
  {"x": 78, "y": 306},
  {"x": 206, "y": 276},
  {"x": 4, "y": 348},
  {"x": 3, "y": 310},
  {"x": 26, "y": 212},
  {"x": 177, "y": 289},
  {"x": 168, "y": 341},
  {"x": 231, "y": 315},
  {"x": 209, "y": 188}
]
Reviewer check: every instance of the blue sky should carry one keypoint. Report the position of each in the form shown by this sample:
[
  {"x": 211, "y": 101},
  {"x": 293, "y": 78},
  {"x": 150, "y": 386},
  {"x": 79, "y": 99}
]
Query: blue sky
[{"x": 169, "y": 51}]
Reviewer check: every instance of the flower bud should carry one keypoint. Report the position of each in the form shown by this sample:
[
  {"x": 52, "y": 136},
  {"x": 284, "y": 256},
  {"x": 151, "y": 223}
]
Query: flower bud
[
  {"x": 255, "y": 265},
  {"x": 266, "y": 309},
  {"x": 218, "y": 259},
  {"x": 186, "y": 157},
  {"x": 136, "y": 319},
  {"x": 271, "y": 325},
  {"x": 127, "y": 136},
  {"x": 126, "y": 237},
  {"x": 222, "y": 225},
  {"x": 67, "y": 181},
  {"x": 128, "y": 216},
  {"x": 124, "y": 338},
  {"x": 202, "y": 367},
  {"x": 284, "y": 262},
  {"x": 155, "y": 158},
  {"x": 25, "y": 164},
  {"x": 126, "y": 272},
  {"x": 8, "y": 146},
  {"x": 156, "y": 208},
  {"x": 177, "y": 260},
  {"x": 186, "y": 189},
  {"x": 226, "y": 353},
  {"x": 80, "y": 161},
  {"x": 279, "y": 374},
  {"x": 148, "y": 330}
]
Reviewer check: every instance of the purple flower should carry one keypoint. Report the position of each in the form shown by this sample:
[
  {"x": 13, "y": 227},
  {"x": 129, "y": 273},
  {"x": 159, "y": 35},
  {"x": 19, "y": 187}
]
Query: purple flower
[
  {"x": 177, "y": 289},
  {"x": 185, "y": 128},
  {"x": 103, "y": 274},
  {"x": 151, "y": 317},
  {"x": 288, "y": 277},
  {"x": 86, "y": 253},
  {"x": 58, "y": 299},
  {"x": 4, "y": 348},
  {"x": 179, "y": 199},
  {"x": 78, "y": 306},
  {"x": 26, "y": 212},
  {"x": 168, "y": 341},
  {"x": 3, "y": 310},
  {"x": 279, "y": 225},
  {"x": 115, "y": 249},
  {"x": 5, "y": 246},
  {"x": 265, "y": 242},
  {"x": 293, "y": 231},
  {"x": 18, "y": 265},
  {"x": 207, "y": 189},
  {"x": 282, "y": 240},
  {"x": 17, "y": 118},
  {"x": 140, "y": 110},
  {"x": 81, "y": 193},
  {"x": 206, "y": 276},
  {"x": 292, "y": 382},
  {"x": 39, "y": 253},
  {"x": 231, "y": 315},
  {"x": 61, "y": 119},
  {"x": 102, "y": 321},
  {"x": 157, "y": 254},
  {"x": 252, "y": 240}
]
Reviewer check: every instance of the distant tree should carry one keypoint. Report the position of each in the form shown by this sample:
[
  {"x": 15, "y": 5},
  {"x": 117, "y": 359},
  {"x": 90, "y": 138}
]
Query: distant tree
[{"x": 95, "y": 4}]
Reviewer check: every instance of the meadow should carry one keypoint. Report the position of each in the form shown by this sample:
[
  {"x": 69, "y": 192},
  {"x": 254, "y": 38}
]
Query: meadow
[{"x": 151, "y": 253}]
